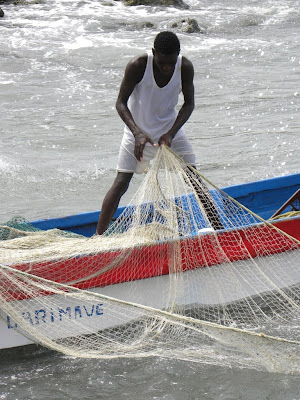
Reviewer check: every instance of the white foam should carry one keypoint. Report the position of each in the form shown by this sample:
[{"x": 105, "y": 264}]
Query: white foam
[{"x": 78, "y": 43}]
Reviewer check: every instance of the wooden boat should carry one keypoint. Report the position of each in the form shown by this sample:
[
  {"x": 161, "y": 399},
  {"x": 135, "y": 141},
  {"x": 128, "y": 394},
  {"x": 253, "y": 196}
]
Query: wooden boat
[{"x": 264, "y": 198}]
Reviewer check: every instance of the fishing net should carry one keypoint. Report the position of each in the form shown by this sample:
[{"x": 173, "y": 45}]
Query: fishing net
[{"x": 185, "y": 272}]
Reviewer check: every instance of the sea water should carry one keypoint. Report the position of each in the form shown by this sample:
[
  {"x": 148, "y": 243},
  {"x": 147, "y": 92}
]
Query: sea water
[{"x": 61, "y": 65}]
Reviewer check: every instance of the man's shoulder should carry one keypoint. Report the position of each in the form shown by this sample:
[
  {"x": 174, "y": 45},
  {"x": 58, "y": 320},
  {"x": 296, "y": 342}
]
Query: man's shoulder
[
  {"x": 138, "y": 62},
  {"x": 186, "y": 63},
  {"x": 187, "y": 69},
  {"x": 136, "y": 68}
]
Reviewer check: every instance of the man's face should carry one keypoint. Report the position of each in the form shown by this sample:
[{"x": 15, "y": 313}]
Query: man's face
[{"x": 165, "y": 62}]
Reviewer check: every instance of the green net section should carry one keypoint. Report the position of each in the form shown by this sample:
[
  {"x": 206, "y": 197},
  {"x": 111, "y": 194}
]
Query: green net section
[{"x": 18, "y": 227}]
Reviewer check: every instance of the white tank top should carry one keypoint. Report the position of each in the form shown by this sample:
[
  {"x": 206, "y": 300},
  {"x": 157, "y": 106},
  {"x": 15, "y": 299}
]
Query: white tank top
[{"x": 153, "y": 107}]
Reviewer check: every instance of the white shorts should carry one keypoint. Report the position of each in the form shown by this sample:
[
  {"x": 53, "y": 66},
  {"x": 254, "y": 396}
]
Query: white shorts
[{"x": 128, "y": 163}]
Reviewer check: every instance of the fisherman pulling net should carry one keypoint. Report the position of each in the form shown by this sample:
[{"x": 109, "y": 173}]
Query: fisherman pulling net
[{"x": 162, "y": 281}]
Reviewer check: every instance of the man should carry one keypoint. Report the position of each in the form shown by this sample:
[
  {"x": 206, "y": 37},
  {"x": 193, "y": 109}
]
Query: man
[{"x": 146, "y": 103}]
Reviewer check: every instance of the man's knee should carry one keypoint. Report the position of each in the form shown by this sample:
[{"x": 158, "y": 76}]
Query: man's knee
[{"x": 122, "y": 181}]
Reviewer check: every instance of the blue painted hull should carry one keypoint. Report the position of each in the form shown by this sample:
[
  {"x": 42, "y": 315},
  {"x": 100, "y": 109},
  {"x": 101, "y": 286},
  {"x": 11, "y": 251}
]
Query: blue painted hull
[{"x": 263, "y": 197}]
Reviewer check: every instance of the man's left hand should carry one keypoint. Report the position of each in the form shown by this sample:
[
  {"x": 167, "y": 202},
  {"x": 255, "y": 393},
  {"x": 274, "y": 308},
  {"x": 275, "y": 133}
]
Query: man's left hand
[{"x": 165, "y": 139}]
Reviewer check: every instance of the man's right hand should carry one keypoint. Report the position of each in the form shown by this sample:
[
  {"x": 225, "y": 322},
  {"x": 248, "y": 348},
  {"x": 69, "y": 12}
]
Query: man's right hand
[{"x": 140, "y": 142}]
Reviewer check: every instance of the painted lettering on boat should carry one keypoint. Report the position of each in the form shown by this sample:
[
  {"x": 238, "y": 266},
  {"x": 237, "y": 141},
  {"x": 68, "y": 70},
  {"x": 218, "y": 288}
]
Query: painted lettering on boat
[{"x": 43, "y": 316}]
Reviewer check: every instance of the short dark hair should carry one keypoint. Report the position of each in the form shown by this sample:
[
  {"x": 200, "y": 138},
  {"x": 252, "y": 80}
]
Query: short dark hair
[{"x": 167, "y": 43}]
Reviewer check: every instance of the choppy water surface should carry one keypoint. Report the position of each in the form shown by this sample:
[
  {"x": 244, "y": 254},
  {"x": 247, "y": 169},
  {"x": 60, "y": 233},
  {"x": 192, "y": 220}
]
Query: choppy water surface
[
  {"x": 50, "y": 375},
  {"x": 61, "y": 64}
]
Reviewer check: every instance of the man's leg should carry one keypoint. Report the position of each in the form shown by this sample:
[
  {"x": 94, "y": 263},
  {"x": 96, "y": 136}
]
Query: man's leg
[
  {"x": 112, "y": 199},
  {"x": 184, "y": 149},
  {"x": 206, "y": 200}
]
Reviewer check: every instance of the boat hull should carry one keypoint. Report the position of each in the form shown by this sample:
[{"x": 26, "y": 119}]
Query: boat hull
[
  {"x": 147, "y": 292},
  {"x": 150, "y": 289}
]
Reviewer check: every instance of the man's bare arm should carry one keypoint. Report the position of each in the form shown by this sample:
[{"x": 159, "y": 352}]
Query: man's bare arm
[{"x": 134, "y": 73}]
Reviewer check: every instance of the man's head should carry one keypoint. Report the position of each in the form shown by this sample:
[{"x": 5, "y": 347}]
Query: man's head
[
  {"x": 165, "y": 52},
  {"x": 167, "y": 43}
]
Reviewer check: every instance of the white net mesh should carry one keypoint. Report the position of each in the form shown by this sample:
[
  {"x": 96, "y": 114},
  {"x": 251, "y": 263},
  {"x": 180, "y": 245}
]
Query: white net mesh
[{"x": 161, "y": 281}]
